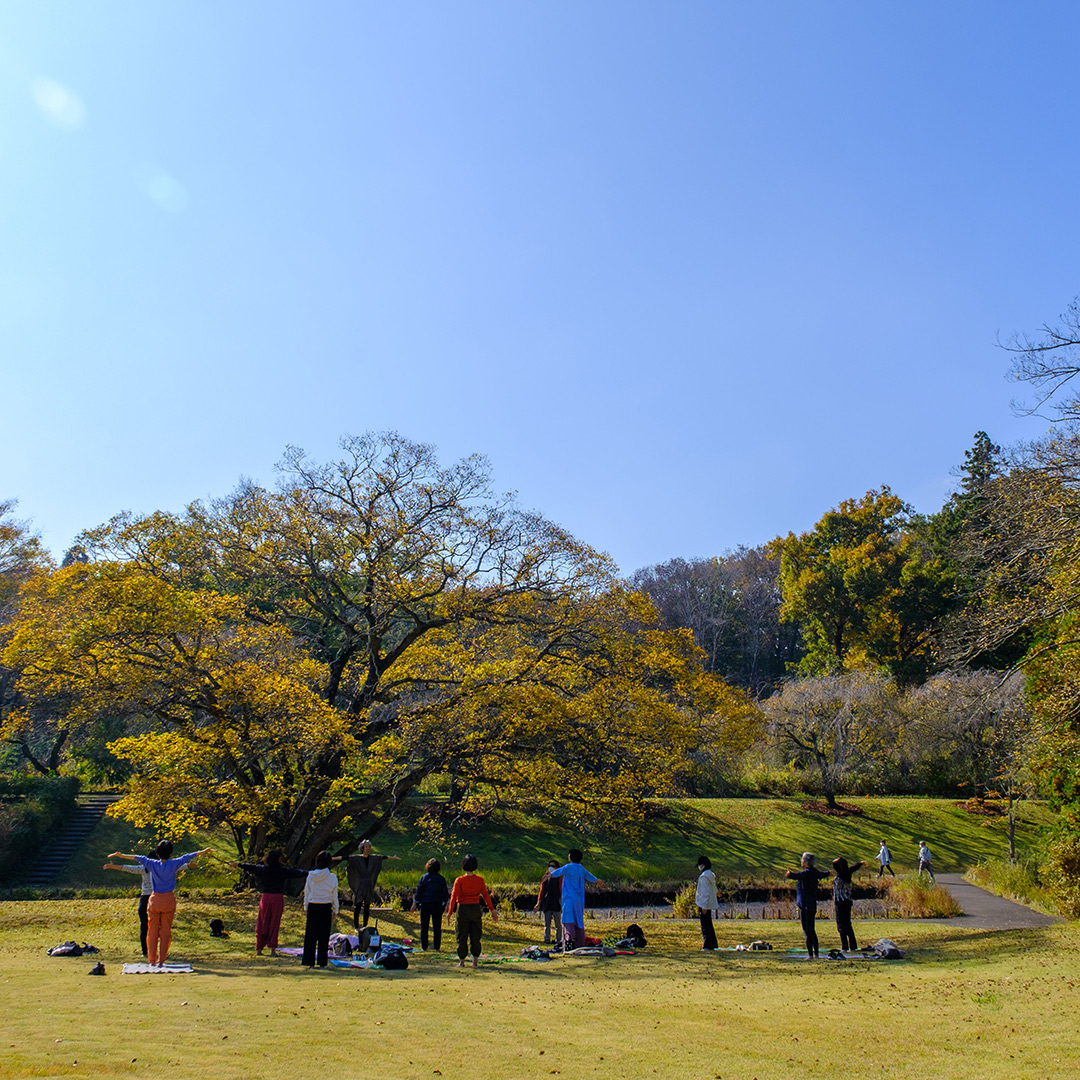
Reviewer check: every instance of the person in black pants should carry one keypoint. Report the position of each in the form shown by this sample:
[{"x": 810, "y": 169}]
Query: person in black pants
[
  {"x": 705, "y": 898},
  {"x": 144, "y": 898},
  {"x": 549, "y": 902},
  {"x": 806, "y": 883},
  {"x": 321, "y": 905},
  {"x": 432, "y": 893},
  {"x": 842, "y": 901},
  {"x": 363, "y": 872}
]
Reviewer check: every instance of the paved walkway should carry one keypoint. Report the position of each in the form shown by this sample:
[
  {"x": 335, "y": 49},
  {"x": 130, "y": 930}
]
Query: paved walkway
[{"x": 985, "y": 911}]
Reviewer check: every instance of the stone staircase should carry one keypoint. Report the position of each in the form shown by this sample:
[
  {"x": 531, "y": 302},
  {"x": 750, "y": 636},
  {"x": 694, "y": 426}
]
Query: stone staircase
[{"x": 88, "y": 812}]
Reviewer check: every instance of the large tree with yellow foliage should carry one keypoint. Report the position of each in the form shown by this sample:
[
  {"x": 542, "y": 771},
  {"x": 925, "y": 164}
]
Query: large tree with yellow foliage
[{"x": 295, "y": 661}]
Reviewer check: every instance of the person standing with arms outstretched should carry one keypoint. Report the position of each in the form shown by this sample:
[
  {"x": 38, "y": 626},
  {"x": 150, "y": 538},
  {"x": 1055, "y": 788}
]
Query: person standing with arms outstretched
[
  {"x": 144, "y": 896},
  {"x": 574, "y": 876},
  {"x": 161, "y": 908},
  {"x": 806, "y": 883},
  {"x": 271, "y": 875},
  {"x": 885, "y": 858},
  {"x": 363, "y": 871},
  {"x": 924, "y": 861},
  {"x": 843, "y": 901}
]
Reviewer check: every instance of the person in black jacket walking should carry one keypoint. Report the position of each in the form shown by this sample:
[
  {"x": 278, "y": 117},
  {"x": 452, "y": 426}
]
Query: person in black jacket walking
[{"x": 432, "y": 894}]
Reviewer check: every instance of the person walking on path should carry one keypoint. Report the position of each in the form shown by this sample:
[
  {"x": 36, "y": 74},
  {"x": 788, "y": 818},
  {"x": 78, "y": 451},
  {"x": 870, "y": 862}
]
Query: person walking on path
[
  {"x": 161, "y": 907},
  {"x": 924, "y": 861},
  {"x": 363, "y": 872},
  {"x": 806, "y": 883},
  {"x": 465, "y": 897},
  {"x": 574, "y": 876},
  {"x": 432, "y": 894},
  {"x": 842, "y": 901},
  {"x": 706, "y": 901},
  {"x": 885, "y": 858},
  {"x": 270, "y": 875},
  {"x": 549, "y": 900},
  {"x": 320, "y": 907},
  {"x": 144, "y": 898}
]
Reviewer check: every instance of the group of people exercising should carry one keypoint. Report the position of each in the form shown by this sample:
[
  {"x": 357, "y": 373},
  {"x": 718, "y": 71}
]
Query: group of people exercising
[
  {"x": 561, "y": 898},
  {"x": 806, "y": 887}
]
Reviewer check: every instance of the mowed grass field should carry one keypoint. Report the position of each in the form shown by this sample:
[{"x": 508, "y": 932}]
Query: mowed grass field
[
  {"x": 745, "y": 838},
  {"x": 965, "y": 1005}
]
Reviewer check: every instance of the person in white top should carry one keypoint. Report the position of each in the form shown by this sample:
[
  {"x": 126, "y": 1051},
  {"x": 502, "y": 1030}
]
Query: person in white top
[
  {"x": 144, "y": 898},
  {"x": 924, "y": 861},
  {"x": 706, "y": 901},
  {"x": 321, "y": 906},
  {"x": 885, "y": 858}
]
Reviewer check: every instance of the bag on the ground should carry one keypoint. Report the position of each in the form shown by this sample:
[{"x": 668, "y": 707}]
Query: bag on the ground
[
  {"x": 97, "y": 969},
  {"x": 340, "y": 945},
  {"x": 392, "y": 958},
  {"x": 217, "y": 928},
  {"x": 68, "y": 948},
  {"x": 887, "y": 949},
  {"x": 635, "y": 937},
  {"x": 534, "y": 952}
]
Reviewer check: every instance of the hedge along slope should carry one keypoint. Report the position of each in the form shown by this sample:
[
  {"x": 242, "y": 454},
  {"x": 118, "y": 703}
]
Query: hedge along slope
[{"x": 30, "y": 807}]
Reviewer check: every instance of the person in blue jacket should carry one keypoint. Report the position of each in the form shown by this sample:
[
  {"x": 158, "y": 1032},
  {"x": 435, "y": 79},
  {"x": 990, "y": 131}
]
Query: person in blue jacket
[
  {"x": 574, "y": 876},
  {"x": 162, "y": 906},
  {"x": 432, "y": 894}
]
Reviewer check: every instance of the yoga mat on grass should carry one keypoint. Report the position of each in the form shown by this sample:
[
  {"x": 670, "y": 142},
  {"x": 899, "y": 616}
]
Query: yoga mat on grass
[{"x": 150, "y": 969}]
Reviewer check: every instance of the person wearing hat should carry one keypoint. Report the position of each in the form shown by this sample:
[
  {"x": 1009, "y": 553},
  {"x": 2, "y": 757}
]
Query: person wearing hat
[
  {"x": 362, "y": 872},
  {"x": 842, "y": 901}
]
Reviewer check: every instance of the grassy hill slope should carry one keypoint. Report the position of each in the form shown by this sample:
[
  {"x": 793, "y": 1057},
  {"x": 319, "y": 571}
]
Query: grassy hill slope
[{"x": 745, "y": 838}]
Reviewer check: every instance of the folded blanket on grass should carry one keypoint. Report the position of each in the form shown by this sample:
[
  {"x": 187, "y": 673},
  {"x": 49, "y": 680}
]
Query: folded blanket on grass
[
  {"x": 167, "y": 969},
  {"x": 842, "y": 957}
]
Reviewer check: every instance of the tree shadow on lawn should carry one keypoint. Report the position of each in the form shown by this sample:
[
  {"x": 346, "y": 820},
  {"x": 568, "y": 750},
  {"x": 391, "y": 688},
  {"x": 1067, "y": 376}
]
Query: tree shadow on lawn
[{"x": 965, "y": 946}]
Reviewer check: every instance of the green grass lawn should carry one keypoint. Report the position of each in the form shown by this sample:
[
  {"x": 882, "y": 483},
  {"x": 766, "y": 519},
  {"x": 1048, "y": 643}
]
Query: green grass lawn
[
  {"x": 745, "y": 838},
  {"x": 965, "y": 1005}
]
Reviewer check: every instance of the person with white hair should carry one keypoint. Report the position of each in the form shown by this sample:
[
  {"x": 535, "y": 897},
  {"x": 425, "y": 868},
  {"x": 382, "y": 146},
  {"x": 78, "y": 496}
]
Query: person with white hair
[{"x": 806, "y": 885}]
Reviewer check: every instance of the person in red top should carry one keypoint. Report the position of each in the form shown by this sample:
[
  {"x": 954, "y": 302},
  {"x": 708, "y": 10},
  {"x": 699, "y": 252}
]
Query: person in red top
[{"x": 465, "y": 897}]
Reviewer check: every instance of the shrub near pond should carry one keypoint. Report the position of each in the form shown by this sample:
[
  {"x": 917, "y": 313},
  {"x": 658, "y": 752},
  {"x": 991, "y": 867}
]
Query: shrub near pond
[{"x": 916, "y": 898}]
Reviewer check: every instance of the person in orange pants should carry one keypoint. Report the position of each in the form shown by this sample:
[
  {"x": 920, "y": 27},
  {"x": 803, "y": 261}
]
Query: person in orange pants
[{"x": 162, "y": 906}]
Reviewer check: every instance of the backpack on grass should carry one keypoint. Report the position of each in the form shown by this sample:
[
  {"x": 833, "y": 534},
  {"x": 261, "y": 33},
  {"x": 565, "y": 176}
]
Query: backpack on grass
[
  {"x": 635, "y": 937},
  {"x": 391, "y": 958}
]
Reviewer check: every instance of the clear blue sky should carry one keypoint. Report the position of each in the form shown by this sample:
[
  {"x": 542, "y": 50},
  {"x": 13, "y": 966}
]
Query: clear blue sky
[{"x": 688, "y": 273}]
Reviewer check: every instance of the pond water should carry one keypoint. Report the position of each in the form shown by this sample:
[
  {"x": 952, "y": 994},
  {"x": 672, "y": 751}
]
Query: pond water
[{"x": 757, "y": 911}]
